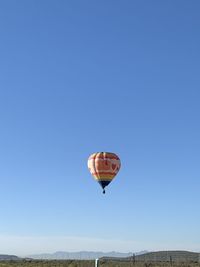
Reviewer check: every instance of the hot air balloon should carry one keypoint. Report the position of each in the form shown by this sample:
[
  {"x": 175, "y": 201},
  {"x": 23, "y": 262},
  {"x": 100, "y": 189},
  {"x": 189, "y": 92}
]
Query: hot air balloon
[{"x": 104, "y": 166}]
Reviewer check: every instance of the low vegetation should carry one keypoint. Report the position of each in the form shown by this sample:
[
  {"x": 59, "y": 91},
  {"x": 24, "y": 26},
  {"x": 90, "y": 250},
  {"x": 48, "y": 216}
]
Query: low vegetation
[{"x": 76, "y": 263}]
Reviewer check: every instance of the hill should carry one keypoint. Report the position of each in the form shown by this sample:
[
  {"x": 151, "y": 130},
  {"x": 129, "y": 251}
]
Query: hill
[
  {"x": 161, "y": 256},
  {"x": 4, "y": 257},
  {"x": 178, "y": 256}
]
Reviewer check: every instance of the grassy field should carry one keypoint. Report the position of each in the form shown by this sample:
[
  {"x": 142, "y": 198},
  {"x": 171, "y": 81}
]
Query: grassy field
[{"x": 75, "y": 263}]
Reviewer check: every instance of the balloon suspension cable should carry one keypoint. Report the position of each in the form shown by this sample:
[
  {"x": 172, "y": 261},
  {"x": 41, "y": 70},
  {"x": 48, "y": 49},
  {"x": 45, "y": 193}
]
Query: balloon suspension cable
[{"x": 104, "y": 191}]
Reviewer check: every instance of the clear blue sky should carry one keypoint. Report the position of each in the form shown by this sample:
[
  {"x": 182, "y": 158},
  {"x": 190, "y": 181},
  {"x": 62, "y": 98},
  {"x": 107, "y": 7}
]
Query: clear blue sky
[{"x": 78, "y": 77}]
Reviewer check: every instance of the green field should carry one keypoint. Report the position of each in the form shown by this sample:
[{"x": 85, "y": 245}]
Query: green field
[{"x": 75, "y": 263}]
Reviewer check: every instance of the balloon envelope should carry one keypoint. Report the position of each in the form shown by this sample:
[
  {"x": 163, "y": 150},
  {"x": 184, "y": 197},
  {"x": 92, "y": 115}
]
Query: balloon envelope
[{"x": 104, "y": 166}]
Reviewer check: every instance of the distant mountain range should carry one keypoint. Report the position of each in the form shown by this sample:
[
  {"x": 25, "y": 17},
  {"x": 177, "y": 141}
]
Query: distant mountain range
[
  {"x": 82, "y": 255},
  {"x": 163, "y": 256}
]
